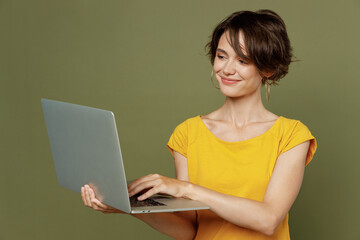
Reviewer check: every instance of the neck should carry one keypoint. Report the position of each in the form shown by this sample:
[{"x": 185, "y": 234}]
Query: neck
[{"x": 244, "y": 109}]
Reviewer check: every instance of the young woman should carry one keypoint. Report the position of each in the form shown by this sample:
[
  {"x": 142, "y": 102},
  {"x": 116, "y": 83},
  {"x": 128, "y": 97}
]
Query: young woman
[{"x": 242, "y": 160}]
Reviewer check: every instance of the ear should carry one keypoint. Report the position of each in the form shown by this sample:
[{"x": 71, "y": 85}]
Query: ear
[{"x": 267, "y": 74}]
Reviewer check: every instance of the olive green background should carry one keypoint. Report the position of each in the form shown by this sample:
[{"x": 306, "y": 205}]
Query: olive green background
[{"x": 145, "y": 61}]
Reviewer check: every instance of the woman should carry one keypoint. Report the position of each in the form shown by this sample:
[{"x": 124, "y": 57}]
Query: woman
[{"x": 243, "y": 161}]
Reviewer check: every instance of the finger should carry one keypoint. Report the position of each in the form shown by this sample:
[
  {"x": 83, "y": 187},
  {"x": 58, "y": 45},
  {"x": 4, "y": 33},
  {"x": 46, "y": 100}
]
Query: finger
[
  {"x": 143, "y": 186},
  {"x": 100, "y": 205},
  {"x": 136, "y": 182},
  {"x": 96, "y": 203},
  {"x": 91, "y": 193},
  {"x": 104, "y": 208},
  {"x": 87, "y": 195},
  {"x": 96, "y": 207},
  {"x": 143, "y": 179},
  {"x": 151, "y": 192},
  {"x": 83, "y": 195}
]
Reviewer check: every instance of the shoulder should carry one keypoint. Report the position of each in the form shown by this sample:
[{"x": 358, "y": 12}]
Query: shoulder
[
  {"x": 287, "y": 122},
  {"x": 291, "y": 133},
  {"x": 183, "y": 135},
  {"x": 189, "y": 123},
  {"x": 288, "y": 125},
  {"x": 189, "y": 127},
  {"x": 288, "y": 129}
]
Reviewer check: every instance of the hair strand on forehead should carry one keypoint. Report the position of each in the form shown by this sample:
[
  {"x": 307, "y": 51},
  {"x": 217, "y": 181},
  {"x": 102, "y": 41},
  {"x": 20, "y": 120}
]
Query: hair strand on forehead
[{"x": 235, "y": 43}]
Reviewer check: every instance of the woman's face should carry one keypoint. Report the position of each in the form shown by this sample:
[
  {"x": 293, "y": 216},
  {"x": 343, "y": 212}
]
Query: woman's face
[{"x": 236, "y": 77}]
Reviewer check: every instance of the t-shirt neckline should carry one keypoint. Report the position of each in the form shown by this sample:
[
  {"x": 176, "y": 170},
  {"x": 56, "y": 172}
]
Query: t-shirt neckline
[{"x": 243, "y": 141}]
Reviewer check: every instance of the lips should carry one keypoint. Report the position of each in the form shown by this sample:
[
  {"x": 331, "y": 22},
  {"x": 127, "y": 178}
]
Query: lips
[{"x": 229, "y": 81}]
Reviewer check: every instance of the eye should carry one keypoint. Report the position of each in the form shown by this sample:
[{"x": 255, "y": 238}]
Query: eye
[
  {"x": 220, "y": 56},
  {"x": 242, "y": 61}
]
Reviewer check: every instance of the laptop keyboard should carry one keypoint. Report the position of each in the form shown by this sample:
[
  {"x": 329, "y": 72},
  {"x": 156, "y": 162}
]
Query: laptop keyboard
[{"x": 145, "y": 203}]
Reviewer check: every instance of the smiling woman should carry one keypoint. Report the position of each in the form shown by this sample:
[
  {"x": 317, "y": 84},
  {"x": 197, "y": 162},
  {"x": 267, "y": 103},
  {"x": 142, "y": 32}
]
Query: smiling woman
[
  {"x": 266, "y": 44},
  {"x": 236, "y": 76},
  {"x": 242, "y": 160}
]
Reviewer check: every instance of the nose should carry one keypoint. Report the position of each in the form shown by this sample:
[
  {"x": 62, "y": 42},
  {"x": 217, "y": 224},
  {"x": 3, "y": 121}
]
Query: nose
[{"x": 229, "y": 68}]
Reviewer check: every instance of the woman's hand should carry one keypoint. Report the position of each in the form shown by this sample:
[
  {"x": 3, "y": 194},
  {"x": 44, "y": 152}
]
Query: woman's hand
[
  {"x": 155, "y": 183},
  {"x": 89, "y": 198}
]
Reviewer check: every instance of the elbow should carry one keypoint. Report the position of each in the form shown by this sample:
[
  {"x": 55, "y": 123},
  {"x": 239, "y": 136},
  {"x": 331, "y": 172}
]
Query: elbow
[{"x": 269, "y": 224}]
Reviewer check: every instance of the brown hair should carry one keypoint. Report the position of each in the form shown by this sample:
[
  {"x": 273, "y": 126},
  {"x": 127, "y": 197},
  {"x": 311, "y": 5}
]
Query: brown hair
[{"x": 266, "y": 41}]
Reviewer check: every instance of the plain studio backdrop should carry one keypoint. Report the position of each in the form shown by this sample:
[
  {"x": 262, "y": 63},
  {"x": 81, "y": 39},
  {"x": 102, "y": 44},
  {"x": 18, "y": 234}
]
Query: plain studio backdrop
[{"x": 145, "y": 61}]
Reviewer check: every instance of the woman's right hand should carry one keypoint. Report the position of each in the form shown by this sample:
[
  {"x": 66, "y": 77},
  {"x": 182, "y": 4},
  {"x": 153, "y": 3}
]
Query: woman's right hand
[{"x": 89, "y": 198}]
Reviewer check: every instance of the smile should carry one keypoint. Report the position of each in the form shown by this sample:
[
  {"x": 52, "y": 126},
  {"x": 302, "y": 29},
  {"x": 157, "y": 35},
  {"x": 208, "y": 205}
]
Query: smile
[{"x": 229, "y": 81}]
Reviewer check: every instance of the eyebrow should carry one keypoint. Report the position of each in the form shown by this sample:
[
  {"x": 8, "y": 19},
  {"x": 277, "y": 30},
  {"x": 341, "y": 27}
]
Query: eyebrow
[{"x": 221, "y": 50}]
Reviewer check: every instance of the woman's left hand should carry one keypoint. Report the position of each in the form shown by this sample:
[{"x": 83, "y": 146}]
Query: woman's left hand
[{"x": 155, "y": 183}]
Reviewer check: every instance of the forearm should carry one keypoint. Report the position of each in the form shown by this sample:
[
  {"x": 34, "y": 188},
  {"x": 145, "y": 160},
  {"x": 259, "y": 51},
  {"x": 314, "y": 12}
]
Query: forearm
[
  {"x": 239, "y": 211},
  {"x": 178, "y": 225}
]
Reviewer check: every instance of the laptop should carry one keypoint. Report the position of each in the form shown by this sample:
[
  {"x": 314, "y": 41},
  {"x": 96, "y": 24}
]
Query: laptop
[{"x": 86, "y": 150}]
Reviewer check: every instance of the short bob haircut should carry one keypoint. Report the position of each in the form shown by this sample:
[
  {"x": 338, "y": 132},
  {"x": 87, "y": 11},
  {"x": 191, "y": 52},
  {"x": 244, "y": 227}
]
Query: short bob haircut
[{"x": 266, "y": 41}]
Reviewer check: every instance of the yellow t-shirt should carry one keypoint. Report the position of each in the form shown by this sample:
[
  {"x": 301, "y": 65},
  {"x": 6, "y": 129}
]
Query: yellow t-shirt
[{"x": 241, "y": 169}]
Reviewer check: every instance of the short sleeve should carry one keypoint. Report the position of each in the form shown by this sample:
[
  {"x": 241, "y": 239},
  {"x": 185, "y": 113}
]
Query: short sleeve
[
  {"x": 179, "y": 140},
  {"x": 294, "y": 135}
]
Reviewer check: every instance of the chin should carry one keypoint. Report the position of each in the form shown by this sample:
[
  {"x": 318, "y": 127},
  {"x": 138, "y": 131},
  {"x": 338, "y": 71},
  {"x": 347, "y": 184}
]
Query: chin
[{"x": 231, "y": 93}]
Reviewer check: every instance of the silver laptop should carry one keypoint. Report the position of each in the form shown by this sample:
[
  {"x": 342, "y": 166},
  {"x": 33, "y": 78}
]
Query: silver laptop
[{"x": 86, "y": 150}]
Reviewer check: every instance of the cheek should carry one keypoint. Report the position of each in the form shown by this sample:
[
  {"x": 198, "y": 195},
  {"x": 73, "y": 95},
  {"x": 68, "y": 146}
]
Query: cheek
[
  {"x": 250, "y": 72},
  {"x": 253, "y": 75},
  {"x": 217, "y": 66}
]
